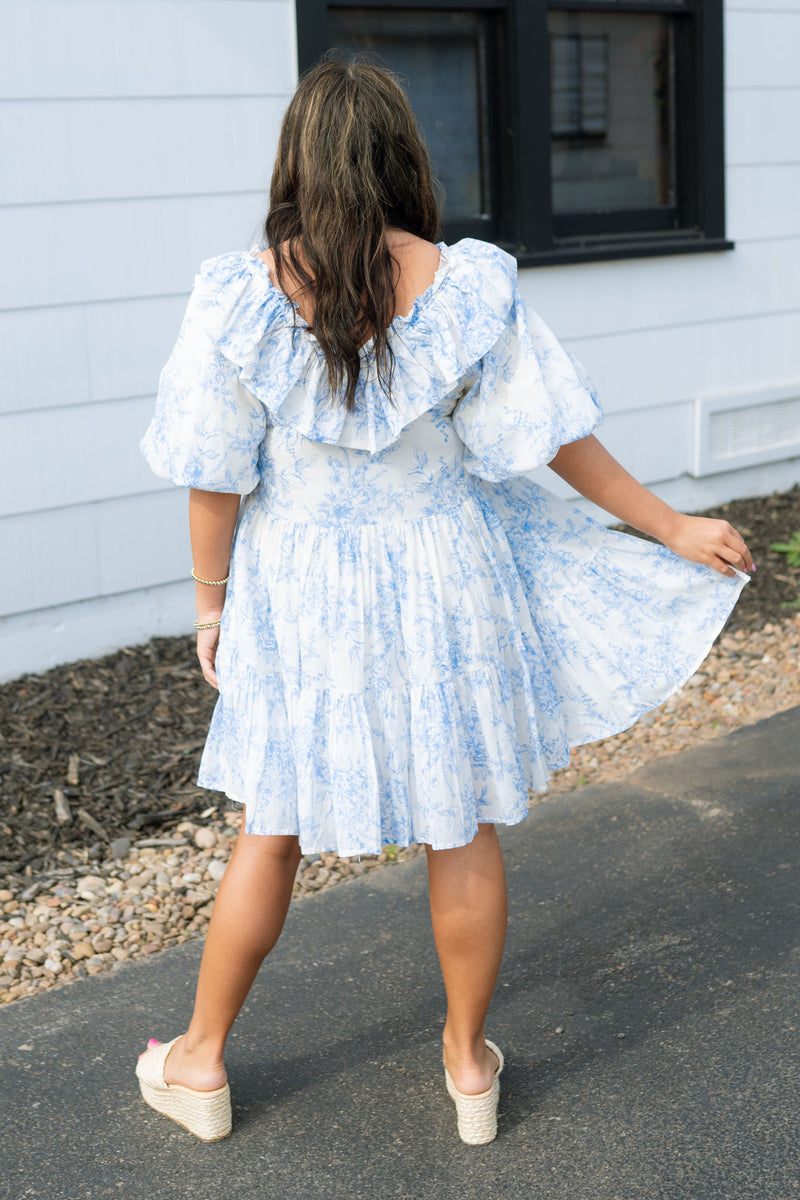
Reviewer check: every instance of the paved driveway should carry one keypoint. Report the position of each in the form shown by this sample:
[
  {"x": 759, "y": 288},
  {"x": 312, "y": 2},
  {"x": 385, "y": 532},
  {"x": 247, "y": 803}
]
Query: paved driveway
[{"x": 648, "y": 1009}]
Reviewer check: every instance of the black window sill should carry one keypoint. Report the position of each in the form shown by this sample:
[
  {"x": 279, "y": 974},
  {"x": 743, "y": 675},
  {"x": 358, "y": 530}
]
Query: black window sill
[{"x": 599, "y": 249}]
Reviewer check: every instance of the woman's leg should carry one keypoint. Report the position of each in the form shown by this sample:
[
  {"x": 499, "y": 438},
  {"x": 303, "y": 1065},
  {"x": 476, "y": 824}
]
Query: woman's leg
[
  {"x": 469, "y": 912},
  {"x": 249, "y": 911}
]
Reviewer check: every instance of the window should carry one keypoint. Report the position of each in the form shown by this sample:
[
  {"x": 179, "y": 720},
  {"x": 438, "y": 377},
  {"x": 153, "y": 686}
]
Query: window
[
  {"x": 446, "y": 60},
  {"x": 563, "y": 131}
]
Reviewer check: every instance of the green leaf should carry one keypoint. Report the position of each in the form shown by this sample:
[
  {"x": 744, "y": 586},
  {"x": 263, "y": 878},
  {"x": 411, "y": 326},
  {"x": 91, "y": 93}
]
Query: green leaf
[{"x": 791, "y": 549}]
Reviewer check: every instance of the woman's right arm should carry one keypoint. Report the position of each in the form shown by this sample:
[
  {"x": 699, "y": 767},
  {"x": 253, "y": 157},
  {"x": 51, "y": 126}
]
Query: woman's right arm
[{"x": 212, "y": 522}]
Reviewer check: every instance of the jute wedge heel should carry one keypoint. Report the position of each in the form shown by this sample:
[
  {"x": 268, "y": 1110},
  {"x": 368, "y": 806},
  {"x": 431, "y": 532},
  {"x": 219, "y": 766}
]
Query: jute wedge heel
[
  {"x": 205, "y": 1114},
  {"x": 477, "y": 1115}
]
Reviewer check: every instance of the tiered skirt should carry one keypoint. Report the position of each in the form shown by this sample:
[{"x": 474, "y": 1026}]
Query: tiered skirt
[{"x": 404, "y": 681}]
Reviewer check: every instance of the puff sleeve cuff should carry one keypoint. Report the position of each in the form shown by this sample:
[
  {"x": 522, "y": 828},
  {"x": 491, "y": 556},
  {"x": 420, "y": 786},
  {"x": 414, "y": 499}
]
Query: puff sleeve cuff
[
  {"x": 207, "y": 428},
  {"x": 529, "y": 397}
]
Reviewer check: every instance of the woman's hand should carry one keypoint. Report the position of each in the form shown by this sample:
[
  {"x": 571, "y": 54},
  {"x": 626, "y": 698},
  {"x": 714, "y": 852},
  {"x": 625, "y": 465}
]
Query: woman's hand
[
  {"x": 587, "y": 466},
  {"x": 207, "y": 642},
  {"x": 710, "y": 541}
]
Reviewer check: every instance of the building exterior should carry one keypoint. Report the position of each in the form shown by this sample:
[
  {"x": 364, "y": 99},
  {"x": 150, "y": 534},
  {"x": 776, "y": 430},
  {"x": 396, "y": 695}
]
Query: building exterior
[{"x": 137, "y": 139}]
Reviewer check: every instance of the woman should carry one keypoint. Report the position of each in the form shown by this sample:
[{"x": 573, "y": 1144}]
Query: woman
[{"x": 406, "y": 632}]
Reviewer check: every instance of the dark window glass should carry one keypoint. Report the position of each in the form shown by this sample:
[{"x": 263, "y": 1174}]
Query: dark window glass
[
  {"x": 579, "y": 74},
  {"x": 442, "y": 60},
  {"x": 611, "y": 111}
]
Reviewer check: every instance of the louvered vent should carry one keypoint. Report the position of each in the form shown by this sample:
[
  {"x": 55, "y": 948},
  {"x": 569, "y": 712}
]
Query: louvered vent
[{"x": 745, "y": 430}]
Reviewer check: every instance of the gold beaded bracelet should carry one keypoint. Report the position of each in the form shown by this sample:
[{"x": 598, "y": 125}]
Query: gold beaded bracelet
[{"x": 210, "y": 582}]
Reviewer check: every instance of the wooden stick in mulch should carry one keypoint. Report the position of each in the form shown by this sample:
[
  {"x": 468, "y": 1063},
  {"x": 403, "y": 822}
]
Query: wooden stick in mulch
[
  {"x": 90, "y": 823},
  {"x": 73, "y": 770},
  {"x": 63, "y": 810}
]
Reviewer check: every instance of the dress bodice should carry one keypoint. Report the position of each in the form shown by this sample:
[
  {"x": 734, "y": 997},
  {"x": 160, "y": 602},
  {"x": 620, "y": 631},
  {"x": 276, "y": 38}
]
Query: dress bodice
[
  {"x": 319, "y": 483},
  {"x": 247, "y": 378}
]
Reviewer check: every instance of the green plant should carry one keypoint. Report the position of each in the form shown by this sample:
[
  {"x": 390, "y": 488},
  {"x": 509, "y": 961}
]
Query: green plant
[{"x": 791, "y": 549}]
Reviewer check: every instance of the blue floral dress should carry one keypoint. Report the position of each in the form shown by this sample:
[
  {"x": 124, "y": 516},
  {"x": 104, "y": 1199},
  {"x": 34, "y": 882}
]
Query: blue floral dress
[{"x": 414, "y": 632}]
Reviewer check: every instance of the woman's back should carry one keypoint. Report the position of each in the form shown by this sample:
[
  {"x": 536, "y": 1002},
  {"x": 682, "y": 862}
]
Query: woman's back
[{"x": 416, "y": 261}]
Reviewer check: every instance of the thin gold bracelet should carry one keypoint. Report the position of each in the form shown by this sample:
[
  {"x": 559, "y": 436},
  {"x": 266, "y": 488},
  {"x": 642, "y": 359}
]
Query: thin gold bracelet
[
  {"x": 210, "y": 582},
  {"x": 206, "y": 624}
]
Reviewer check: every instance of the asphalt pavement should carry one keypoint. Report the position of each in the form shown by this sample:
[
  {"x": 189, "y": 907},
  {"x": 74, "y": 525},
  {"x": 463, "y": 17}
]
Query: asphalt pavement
[{"x": 647, "y": 1008}]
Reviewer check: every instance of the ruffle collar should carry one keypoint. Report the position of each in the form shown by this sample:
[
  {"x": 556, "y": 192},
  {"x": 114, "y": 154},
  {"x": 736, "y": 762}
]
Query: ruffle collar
[{"x": 450, "y": 326}]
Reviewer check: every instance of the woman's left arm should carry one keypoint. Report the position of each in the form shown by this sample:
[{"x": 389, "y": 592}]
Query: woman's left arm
[{"x": 588, "y": 467}]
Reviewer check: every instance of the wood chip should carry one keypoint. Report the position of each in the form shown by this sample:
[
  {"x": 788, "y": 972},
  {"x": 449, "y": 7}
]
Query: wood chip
[
  {"x": 90, "y": 823},
  {"x": 73, "y": 770},
  {"x": 63, "y": 810}
]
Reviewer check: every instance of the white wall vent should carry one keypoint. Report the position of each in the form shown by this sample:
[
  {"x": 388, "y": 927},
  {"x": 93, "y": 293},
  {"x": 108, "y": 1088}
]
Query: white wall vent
[{"x": 745, "y": 429}]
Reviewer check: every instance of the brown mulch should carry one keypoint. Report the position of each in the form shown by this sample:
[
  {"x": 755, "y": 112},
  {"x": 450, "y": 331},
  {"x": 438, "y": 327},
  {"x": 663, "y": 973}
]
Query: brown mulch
[{"x": 109, "y": 747}]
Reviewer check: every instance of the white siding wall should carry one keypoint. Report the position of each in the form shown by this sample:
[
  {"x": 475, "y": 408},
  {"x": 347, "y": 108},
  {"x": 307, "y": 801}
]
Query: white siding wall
[{"x": 137, "y": 139}]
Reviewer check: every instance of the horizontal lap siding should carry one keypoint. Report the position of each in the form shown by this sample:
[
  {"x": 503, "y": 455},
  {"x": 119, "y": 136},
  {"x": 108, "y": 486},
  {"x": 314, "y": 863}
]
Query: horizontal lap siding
[
  {"x": 60, "y": 254},
  {"x": 136, "y": 140},
  {"x": 763, "y": 197},
  {"x": 591, "y": 299},
  {"x": 89, "y": 550},
  {"x": 755, "y": 130},
  {"x": 73, "y": 455},
  {"x": 761, "y": 46},
  {"x": 100, "y": 48},
  {"x": 105, "y": 149},
  {"x": 672, "y": 364}
]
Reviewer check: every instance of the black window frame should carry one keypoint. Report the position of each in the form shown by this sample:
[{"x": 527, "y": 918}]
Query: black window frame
[{"x": 526, "y": 225}]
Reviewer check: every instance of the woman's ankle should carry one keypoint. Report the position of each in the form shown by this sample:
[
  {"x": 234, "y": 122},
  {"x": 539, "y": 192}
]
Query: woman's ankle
[
  {"x": 201, "y": 1068},
  {"x": 209, "y": 1051},
  {"x": 469, "y": 1061},
  {"x": 467, "y": 1047}
]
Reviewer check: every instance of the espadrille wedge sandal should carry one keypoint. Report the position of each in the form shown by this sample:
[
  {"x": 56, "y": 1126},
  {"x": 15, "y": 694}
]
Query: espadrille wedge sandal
[
  {"x": 477, "y": 1115},
  {"x": 205, "y": 1114}
]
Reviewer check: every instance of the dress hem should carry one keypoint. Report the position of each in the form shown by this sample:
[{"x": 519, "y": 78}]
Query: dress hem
[
  {"x": 697, "y": 663},
  {"x": 402, "y": 845}
]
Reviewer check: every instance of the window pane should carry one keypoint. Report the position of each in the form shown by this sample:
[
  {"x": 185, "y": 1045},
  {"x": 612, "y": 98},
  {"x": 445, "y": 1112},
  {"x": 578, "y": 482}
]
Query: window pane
[
  {"x": 611, "y": 111},
  {"x": 441, "y": 58}
]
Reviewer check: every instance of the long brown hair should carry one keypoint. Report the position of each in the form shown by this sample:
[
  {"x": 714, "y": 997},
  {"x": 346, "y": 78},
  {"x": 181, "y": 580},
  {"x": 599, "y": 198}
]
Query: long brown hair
[{"x": 351, "y": 161}]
